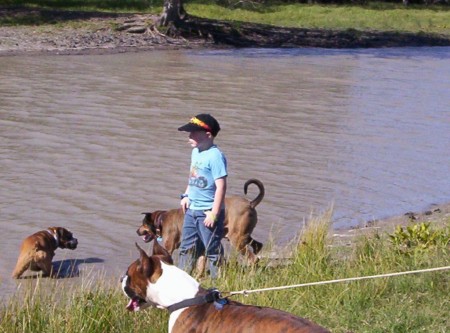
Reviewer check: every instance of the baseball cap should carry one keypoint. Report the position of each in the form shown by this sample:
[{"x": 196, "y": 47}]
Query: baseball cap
[{"x": 202, "y": 122}]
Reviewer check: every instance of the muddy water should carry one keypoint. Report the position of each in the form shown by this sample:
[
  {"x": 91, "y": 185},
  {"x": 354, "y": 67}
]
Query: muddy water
[{"x": 90, "y": 142}]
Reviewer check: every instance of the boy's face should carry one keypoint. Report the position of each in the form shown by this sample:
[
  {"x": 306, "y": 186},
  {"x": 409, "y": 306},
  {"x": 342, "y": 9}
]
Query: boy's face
[{"x": 199, "y": 139}]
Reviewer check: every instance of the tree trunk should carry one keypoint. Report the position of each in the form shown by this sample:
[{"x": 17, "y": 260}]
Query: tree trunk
[{"x": 173, "y": 14}]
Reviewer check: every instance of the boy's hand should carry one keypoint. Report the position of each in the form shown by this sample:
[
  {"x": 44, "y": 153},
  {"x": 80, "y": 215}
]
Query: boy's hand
[
  {"x": 184, "y": 204},
  {"x": 210, "y": 219}
]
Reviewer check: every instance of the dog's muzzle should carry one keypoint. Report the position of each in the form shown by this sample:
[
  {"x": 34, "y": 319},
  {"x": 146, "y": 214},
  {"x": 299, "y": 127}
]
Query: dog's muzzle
[
  {"x": 148, "y": 237},
  {"x": 136, "y": 303},
  {"x": 72, "y": 244}
]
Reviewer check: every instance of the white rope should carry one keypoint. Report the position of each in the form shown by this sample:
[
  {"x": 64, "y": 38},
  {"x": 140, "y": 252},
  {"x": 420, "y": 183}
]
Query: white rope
[{"x": 246, "y": 292}]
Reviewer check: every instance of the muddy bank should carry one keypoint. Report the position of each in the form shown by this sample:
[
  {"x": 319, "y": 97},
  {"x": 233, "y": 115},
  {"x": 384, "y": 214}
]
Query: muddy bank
[
  {"x": 437, "y": 215},
  {"x": 102, "y": 34},
  {"x": 63, "y": 32}
]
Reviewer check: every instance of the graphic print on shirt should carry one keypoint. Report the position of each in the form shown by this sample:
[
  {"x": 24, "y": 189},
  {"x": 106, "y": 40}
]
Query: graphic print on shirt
[{"x": 195, "y": 179}]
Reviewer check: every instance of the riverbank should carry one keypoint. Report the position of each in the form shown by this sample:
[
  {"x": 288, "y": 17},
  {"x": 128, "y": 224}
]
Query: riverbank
[
  {"x": 369, "y": 305},
  {"x": 79, "y": 33}
]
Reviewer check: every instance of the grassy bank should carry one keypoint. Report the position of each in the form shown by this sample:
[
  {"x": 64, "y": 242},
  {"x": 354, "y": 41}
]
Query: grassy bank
[
  {"x": 410, "y": 303},
  {"x": 373, "y": 16}
]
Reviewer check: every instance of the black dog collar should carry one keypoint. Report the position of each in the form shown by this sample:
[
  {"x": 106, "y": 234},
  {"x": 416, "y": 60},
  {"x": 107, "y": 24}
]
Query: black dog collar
[{"x": 213, "y": 296}]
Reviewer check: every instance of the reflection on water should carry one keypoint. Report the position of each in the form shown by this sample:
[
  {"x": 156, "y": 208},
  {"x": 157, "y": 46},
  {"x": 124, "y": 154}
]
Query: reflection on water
[{"x": 90, "y": 142}]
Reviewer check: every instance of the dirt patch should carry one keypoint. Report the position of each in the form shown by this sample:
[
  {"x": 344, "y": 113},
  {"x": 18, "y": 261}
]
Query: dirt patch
[
  {"x": 61, "y": 32},
  {"x": 75, "y": 32}
]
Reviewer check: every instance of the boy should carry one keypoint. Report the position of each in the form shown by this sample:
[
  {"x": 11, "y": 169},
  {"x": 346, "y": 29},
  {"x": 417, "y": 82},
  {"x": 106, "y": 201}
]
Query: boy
[{"x": 204, "y": 198}]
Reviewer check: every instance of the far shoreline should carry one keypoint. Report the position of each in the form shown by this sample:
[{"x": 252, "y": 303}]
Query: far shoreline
[{"x": 102, "y": 34}]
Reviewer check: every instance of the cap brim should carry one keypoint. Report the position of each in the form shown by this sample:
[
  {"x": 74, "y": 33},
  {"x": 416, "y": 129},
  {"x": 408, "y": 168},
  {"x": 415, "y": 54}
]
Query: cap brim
[{"x": 190, "y": 128}]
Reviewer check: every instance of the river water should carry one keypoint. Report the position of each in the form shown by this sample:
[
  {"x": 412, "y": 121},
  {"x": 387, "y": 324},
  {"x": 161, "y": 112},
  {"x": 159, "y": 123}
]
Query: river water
[{"x": 90, "y": 142}]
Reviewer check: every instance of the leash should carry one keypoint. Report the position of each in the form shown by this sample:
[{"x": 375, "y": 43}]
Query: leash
[
  {"x": 220, "y": 299},
  {"x": 247, "y": 292}
]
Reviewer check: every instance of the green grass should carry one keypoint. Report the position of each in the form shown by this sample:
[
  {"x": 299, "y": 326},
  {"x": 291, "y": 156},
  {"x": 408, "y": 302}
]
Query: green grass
[
  {"x": 409, "y": 303},
  {"x": 375, "y": 16},
  {"x": 385, "y": 17}
]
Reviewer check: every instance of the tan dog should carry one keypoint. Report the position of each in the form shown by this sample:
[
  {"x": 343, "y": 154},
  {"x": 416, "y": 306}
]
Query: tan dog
[
  {"x": 37, "y": 251},
  {"x": 240, "y": 220},
  {"x": 155, "y": 281}
]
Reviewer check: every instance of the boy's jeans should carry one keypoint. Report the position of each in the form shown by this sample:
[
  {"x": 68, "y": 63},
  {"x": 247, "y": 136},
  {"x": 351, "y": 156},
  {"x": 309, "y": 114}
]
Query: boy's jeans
[{"x": 198, "y": 239}]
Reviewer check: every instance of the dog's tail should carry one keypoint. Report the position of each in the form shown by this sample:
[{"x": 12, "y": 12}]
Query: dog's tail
[{"x": 255, "y": 202}]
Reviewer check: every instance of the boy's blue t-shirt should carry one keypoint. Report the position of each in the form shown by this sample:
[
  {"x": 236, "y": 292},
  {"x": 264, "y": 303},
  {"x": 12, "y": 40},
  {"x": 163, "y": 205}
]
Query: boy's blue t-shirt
[{"x": 206, "y": 167}]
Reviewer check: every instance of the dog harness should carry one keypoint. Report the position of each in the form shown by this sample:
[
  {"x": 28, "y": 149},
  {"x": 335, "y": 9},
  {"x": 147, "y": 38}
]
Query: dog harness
[{"x": 213, "y": 296}]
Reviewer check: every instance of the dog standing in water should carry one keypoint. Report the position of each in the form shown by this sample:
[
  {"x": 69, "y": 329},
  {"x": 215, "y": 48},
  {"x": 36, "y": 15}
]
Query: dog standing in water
[{"x": 37, "y": 251}]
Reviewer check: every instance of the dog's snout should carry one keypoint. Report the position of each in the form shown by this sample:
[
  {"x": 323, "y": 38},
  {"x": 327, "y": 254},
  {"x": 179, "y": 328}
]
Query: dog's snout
[
  {"x": 72, "y": 244},
  {"x": 125, "y": 282}
]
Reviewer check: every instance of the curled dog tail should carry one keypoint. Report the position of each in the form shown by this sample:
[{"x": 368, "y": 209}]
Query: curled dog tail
[{"x": 255, "y": 202}]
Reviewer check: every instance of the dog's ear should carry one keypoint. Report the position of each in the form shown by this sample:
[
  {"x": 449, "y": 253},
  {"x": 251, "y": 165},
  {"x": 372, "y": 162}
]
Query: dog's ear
[
  {"x": 148, "y": 215},
  {"x": 60, "y": 232},
  {"x": 145, "y": 264},
  {"x": 63, "y": 234},
  {"x": 161, "y": 251},
  {"x": 147, "y": 218}
]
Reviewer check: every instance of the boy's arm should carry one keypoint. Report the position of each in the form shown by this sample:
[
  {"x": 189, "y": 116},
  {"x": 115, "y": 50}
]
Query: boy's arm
[
  {"x": 219, "y": 198},
  {"x": 185, "y": 201}
]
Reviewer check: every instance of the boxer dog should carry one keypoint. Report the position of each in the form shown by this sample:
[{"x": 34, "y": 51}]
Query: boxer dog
[
  {"x": 155, "y": 281},
  {"x": 38, "y": 250},
  {"x": 240, "y": 220}
]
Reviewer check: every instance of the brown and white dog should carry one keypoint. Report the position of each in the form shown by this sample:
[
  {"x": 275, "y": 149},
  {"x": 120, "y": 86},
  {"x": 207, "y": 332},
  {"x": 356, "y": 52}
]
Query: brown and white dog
[
  {"x": 240, "y": 220},
  {"x": 37, "y": 251},
  {"x": 155, "y": 281}
]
